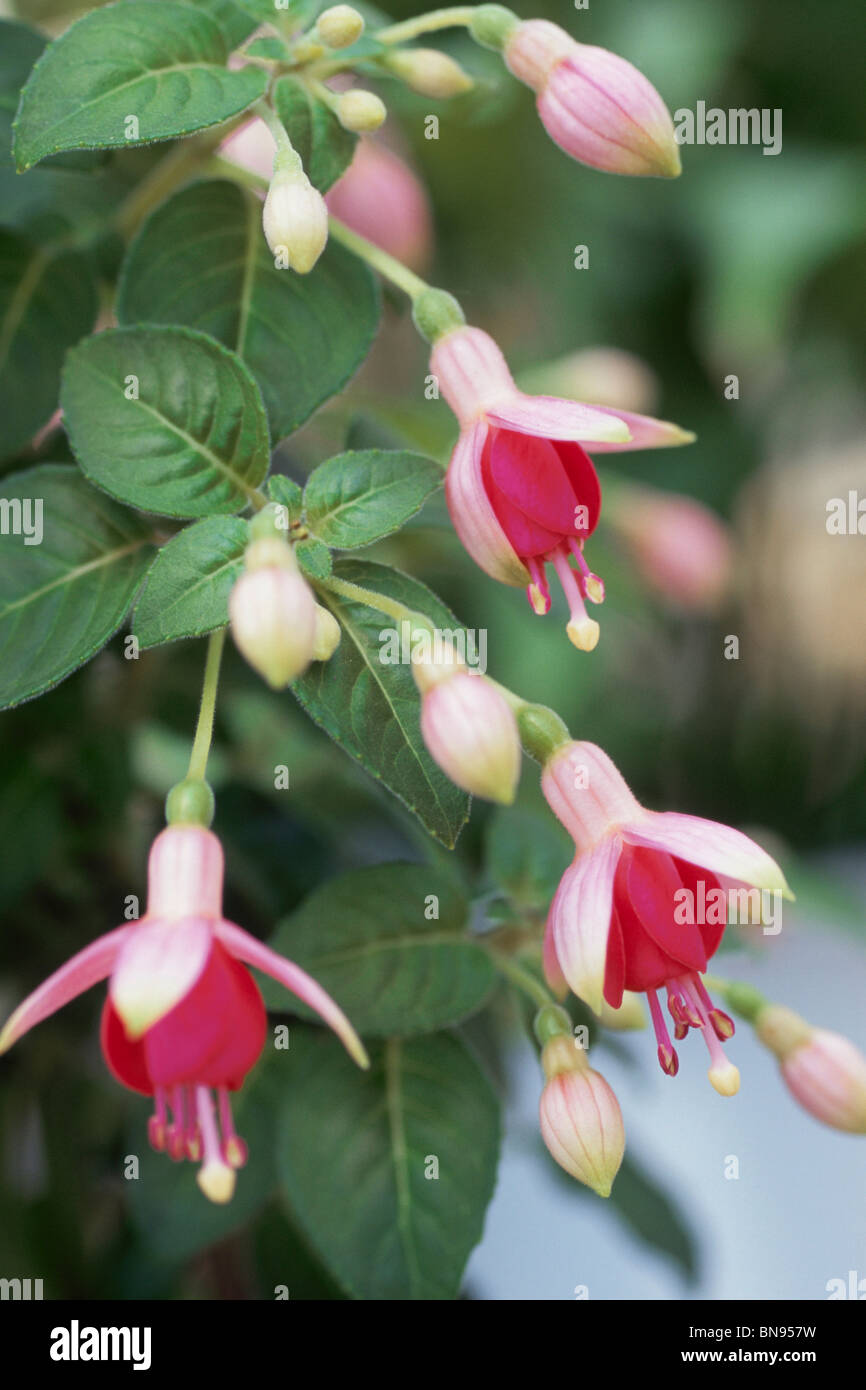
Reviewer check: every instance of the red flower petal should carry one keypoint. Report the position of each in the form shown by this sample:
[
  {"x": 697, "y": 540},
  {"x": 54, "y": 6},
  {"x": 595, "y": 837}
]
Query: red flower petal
[
  {"x": 649, "y": 882},
  {"x": 125, "y": 1060},
  {"x": 614, "y": 968}
]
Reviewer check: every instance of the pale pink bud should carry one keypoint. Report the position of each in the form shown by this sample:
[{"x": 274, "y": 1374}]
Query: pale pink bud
[
  {"x": 295, "y": 220},
  {"x": 360, "y": 111},
  {"x": 328, "y": 634},
  {"x": 681, "y": 548},
  {"x": 273, "y": 617},
  {"x": 824, "y": 1072},
  {"x": 429, "y": 72},
  {"x": 471, "y": 732},
  {"x": 581, "y": 1122},
  {"x": 595, "y": 105},
  {"x": 381, "y": 199}
]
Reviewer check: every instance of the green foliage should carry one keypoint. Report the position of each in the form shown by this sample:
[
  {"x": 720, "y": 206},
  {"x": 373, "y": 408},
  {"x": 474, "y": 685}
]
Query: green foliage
[
  {"x": 357, "y": 498},
  {"x": 63, "y": 597},
  {"x": 390, "y": 943},
  {"x": 161, "y": 63},
  {"x": 356, "y": 1157},
  {"x": 371, "y": 707},
  {"x": 293, "y": 331},
  {"x": 166, "y": 419},
  {"x": 187, "y": 589},
  {"x": 324, "y": 146}
]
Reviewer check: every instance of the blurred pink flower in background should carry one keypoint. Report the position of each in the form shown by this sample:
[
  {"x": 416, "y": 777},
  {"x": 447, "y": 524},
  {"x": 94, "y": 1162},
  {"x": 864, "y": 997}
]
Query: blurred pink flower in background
[{"x": 680, "y": 548}]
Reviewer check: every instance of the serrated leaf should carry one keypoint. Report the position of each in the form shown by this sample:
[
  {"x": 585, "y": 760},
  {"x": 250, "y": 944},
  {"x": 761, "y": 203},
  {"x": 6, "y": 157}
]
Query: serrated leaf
[
  {"x": 324, "y": 146},
  {"x": 356, "y": 498},
  {"x": 235, "y": 22},
  {"x": 368, "y": 939},
  {"x": 47, "y": 302},
  {"x": 354, "y": 1152},
  {"x": 65, "y": 596},
  {"x": 314, "y": 558},
  {"x": 372, "y": 708},
  {"x": 160, "y": 62},
  {"x": 286, "y": 493},
  {"x": 186, "y": 593},
  {"x": 526, "y": 856},
  {"x": 192, "y": 442},
  {"x": 302, "y": 336}
]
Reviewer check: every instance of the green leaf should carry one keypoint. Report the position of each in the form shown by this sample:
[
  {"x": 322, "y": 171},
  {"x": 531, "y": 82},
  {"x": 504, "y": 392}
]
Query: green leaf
[
  {"x": 314, "y": 558},
  {"x": 157, "y": 61},
  {"x": 273, "y": 49},
  {"x": 166, "y": 419},
  {"x": 356, "y": 498},
  {"x": 368, "y": 938},
  {"x": 47, "y": 302},
  {"x": 324, "y": 146},
  {"x": 526, "y": 856},
  {"x": 235, "y": 22},
  {"x": 65, "y": 596},
  {"x": 372, "y": 709},
  {"x": 302, "y": 336},
  {"x": 186, "y": 593},
  {"x": 355, "y": 1150},
  {"x": 297, "y": 13},
  {"x": 287, "y": 493}
]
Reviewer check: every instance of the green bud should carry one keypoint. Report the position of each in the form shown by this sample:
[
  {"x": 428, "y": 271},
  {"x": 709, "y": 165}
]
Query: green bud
[
  {"x": 552, "y": 1022},
  {"x": 491, "y": 26},
  {"x": 435, "y": 313},
  {"x": 745, "y": 1000},
  {"x": 541, "y": 731},
  {"x": 190, "y": 802}
]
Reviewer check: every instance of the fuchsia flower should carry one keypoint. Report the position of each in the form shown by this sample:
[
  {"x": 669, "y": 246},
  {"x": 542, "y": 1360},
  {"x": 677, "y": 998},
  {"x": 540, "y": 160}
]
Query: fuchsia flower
[
  {"x": 824, "y": 1071},
  {"x": 581, "y": 1122},
  {"x": 521, "y": 490},
  {"x": 596, "y": 106},
  {"x": 184, "y": 1017},
  {"x": 614, "y": 925},
  {"x": 681, "y": 548},
  {"x": 469, "y": 729}
]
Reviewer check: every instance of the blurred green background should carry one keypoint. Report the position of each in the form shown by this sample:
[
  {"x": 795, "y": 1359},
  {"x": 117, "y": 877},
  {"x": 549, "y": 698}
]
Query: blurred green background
[{"x": 747, "y": 265}]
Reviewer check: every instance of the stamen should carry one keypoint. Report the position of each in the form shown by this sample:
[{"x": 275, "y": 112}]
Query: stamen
[
  {"x": 234, "y": 1150},
  {"x": 215, "y": 1177},
  {"x": 668, "y": 1059},
  {"x": 591, "y": 586},
  {"x": 681, "y": 1009},
  {"x": 193, "y": 1133},
  {"x": 723, "y": 1075},
  {"x": 723, "y": 1024},
  {"x": 538, "y": 593},
  {"x": 156, "y": 1125},
  {"x": 583, "y": 631},
  {"x": 175, "y": 1142}
]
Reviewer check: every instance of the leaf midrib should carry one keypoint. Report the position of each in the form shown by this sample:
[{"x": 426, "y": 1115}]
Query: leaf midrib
[
  {"x": 400, "y": 1159},
  {"x": 72, "y": 575}
]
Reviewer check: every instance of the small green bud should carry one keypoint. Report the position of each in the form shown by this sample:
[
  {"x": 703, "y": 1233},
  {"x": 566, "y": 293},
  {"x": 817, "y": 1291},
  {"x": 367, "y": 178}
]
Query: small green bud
[
  {"x": 435, "y": 313},
  {"x": 190, "y": 802},
  {"x": 491, "y": 26},
  {"x": 541, "y": 731},
  {"x": 360, "y": 111},
  {"x": 552, "y": 1022}
]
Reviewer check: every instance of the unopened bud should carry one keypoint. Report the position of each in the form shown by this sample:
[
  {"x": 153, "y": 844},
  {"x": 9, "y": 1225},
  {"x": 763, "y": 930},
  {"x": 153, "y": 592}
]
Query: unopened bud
[
  {"x": 581, "y": 1122},
  {"x": 328, "y": 634},
  {"x": 295, "y": 220},
  {"x": 471, "y": 732},
  {"x": 429, "y": 72},
  {"x": 273, "y": 619},
  {"x": 824, "y": 1071},
  {"x": 360, "y": 111},
  {"x": 340, "y": 26}
]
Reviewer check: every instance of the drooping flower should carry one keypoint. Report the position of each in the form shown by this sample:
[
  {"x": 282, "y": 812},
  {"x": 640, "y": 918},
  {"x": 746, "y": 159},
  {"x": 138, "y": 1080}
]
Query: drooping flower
[
  {"x": 581, "y": 1122},
  {"x": 184, "y": 1020},
  {"x": 593, "y": 104},
  {"x": 521, "y": 490},
  {"x": 824, "y": 1071},
  {"x": 469, "y": 730},
  {"x": 295, "y": 219},
  {"x": 631, "y": 911}
]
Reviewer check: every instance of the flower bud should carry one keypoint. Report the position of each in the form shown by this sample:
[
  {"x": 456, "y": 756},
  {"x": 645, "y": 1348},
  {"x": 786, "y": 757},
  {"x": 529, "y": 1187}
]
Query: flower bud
[
  {"x": 360, "y": 111},
  {"x": 340, "y": 26},
  {"x": 581, "y": 1122},
  {"x": 596, "y": 106},
  {"x": 295, "y": 220},
  {"x": 470, "y": 731},
  {"x": 824, "y": 1072},
  {"x": 328, "y": 634},
  {"x": 429, "y": 72},
  {"x": 273, "y": 614}
]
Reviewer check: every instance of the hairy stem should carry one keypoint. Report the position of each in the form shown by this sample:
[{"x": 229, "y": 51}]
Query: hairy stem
[
  {"x": 204, "y": 728},
  {"x": 392, "y": 269},
  {"x": 452, "y": 18}
]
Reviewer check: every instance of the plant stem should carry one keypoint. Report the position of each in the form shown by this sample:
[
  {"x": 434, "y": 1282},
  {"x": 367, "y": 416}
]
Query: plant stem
[
  {"x": 392, "y": 269},
  {"x": 524, "y": 981},
  {"x": 451, "y": 18},
  {"x": 391, "y": 607},
  {"x": 204, "y": 728},
  {"x": 168, "y": 174}
]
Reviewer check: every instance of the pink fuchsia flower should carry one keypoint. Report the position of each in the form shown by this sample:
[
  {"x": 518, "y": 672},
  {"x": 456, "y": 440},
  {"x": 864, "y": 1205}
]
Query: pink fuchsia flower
[
  {"x": 824, "y": 1072},
  {"x": 594, "y": 105},
  {"x": 627, "y": 914},
  {"x": 681, "y": 548},
  {"x": 521, "y": 490},
  {"x": 581, "y": 1122},
  {"x": 184, "y": 1020},
  {"x": 469, "y": 730}
]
